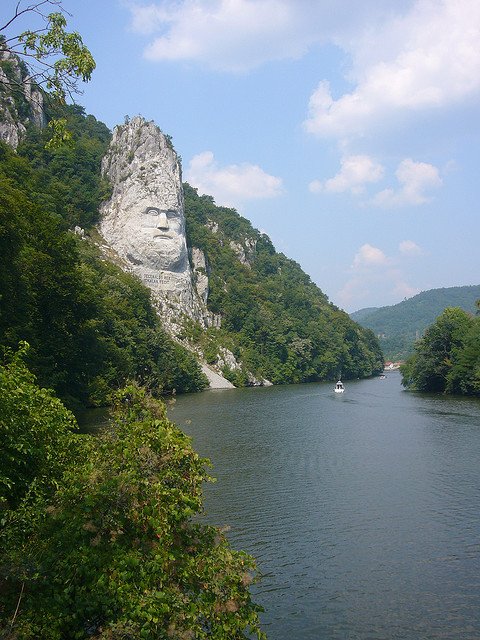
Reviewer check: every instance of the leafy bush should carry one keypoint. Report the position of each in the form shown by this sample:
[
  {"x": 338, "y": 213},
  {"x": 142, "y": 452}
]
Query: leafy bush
[{"x": 113, "y": 548}]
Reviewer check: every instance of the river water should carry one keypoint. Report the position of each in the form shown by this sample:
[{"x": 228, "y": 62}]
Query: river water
[{"x": 362, "y": 509}]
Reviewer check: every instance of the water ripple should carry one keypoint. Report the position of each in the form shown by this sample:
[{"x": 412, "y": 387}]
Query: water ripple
[{"x": 363, "y": 512}]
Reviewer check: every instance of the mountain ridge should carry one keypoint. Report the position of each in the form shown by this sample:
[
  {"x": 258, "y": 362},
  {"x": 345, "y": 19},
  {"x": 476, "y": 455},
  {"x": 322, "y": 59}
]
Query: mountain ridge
[{"x": 398, "y": 326}]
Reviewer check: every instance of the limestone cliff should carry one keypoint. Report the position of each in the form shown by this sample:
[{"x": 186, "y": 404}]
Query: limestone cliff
[
  {"x": 21, "y": 102},
  {"x": 144, "y": 224},
  {"x": 144, "y": 220}
]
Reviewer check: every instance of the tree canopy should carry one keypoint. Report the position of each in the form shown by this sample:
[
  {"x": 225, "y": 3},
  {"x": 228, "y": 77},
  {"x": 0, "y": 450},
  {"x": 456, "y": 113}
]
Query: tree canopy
[
  {"x": 56, "y": 58},
  {"x": 274, "y": 318},
  {"x": 447, "y": 358},
  {"x": 47, "y": 57}
]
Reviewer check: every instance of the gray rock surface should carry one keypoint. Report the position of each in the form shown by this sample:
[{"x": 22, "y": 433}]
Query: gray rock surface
[
  {"x": 200, "y": 270},
  {"x": 144, "y": 221},
  {"x": 144, "y": 224},
  {"x": 215, "y": 379},
  {"x": 12, "y": 124}
]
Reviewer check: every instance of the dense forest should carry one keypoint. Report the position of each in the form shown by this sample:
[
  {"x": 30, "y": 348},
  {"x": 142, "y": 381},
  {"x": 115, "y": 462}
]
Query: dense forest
[
  {"x": 275, "y": 320},
  {"x": 91, "y": 327},
  {"x": 447, "y": 358},
  {"x": 399, "y": 325}
]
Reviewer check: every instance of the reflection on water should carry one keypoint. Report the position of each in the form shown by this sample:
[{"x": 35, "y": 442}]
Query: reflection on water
[
  {"x": 362, "y": 509},
  {"x": 92, "y": 420}
]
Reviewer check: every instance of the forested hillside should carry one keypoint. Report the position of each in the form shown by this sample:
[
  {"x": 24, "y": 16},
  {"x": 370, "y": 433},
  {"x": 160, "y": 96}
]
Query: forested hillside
[
  {"x": 91, "y": 326},
  {"x": 399, "y": 325},
  {"x": 275, "y": 320}
]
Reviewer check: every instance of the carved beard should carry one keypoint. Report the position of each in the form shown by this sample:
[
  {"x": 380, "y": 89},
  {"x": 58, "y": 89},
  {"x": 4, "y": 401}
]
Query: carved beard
[
  {"x": 165, "y": 254},
  {"x": 153, "y": 241}
]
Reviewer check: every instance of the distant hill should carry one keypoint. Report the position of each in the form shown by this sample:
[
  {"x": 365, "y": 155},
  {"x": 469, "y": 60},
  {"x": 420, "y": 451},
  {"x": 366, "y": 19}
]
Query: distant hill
[
  {"x": 399, "y": 325},
  {"x": 363, "y": 314}
]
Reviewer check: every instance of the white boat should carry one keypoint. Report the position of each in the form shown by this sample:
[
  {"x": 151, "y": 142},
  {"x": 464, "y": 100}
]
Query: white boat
[{"x": 339, "y": 388}]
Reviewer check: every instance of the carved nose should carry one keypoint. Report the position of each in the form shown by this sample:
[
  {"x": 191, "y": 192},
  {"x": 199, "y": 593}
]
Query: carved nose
[{"x": 162, "y": 221}]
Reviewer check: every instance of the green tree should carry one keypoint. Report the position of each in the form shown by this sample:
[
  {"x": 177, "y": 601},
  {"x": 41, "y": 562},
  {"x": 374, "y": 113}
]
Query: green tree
[
  {"x": 430, "y": 367},
  {"x": 35, "y": 431},
  {"x": 118, "y": 551},
  {"x": 56, "y": 59},
  {"x": 464, "y": 376}
]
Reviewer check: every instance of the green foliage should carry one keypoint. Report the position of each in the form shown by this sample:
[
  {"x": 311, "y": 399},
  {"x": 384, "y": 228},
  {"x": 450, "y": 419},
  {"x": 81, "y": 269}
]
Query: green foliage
[
  {"x": 274, "y": 318},
  {"x": 117, "y": 551},
  {"x": 447, "y": 358},
  {"x": 57, "y": 60},
  {"x": 398, "y": 326},
  {"x": 72, "y": 60},
  {"x": 70, "y": 174},
  {"x": 464, "y": 376},
  {"x": 35, "y": 432}
]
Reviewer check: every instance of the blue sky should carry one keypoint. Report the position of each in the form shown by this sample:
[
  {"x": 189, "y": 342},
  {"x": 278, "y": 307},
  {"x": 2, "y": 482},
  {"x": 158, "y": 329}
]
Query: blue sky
[{"x": 347, "y": 131}]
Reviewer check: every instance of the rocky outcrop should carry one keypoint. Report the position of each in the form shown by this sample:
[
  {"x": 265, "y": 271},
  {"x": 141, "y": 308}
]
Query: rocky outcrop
[
  {"x": 144, "y": 220},
  {"x": 199, "y": 266},
  {"x": 21, "y": 102},
  {"x": 143, "y": 223},
  {"x": 245, "y": 252}
]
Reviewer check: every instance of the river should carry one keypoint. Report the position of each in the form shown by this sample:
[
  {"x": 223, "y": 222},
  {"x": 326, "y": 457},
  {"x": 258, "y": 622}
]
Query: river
[{"x": 362, "y": 509}]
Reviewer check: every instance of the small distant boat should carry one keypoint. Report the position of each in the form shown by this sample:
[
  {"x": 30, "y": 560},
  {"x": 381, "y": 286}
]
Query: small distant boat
[{"x": 339, "y": 387}]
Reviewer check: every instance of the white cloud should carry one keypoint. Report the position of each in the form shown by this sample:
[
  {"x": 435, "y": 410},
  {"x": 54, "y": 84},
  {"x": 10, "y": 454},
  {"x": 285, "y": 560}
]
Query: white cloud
[
  {"x": 232, "y": 35},
  {"x": 316, "y": 186},
  {"x": 409, "y": 248},
  {"x": 403, "y": 290},
  {"x": 374, "y": 275},
  {"x": 237, "y": 35},
  {"x": 415, "y": 178},
  {"x": 368, "y": 256},
  {"x": 352, "y": 294},
  {"x": 355, "y": 173},
  {"x": 232, "y": 184},
  {"x": 428, "y": 58}
]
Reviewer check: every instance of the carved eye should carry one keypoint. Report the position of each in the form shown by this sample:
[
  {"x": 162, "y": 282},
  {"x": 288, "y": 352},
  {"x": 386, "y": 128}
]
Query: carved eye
[{"x": 151, "y": 211}]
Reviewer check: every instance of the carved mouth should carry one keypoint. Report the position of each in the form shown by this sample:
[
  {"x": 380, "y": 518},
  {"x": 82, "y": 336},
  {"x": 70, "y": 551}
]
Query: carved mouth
[{"x": 160, "y": 236}]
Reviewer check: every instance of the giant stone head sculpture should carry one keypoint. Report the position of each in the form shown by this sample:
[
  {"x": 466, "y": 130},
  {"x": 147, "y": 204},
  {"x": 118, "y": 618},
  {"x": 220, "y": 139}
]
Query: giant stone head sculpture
[{"x": 144, "y": 220}]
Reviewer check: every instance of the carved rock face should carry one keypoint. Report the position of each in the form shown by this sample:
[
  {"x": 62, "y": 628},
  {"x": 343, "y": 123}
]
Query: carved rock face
[
  {"x": 144, "y": 220},
  {"x": 152, "y": 237}
]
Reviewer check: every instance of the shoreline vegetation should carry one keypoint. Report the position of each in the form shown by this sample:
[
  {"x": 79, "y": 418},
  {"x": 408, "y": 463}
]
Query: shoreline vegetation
[
  {"x": 99, "y": 536},
  {"x": 447, "y": 358}
]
